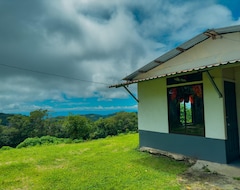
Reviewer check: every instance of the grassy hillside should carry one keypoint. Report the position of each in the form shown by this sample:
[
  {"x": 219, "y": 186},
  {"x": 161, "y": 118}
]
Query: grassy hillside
[{"x": 111, "y": 163}]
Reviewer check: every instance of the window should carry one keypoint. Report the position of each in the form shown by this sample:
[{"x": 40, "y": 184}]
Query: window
[
  {"x": 185, "y": 78},
  {"x": 185, "y": 110}
]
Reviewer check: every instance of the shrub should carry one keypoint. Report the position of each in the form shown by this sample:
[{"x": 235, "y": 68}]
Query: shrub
[
  {"x": 6, "y": 148},
  {"x": 29, "y": 142},
  {"x": 41, "y": 141}
]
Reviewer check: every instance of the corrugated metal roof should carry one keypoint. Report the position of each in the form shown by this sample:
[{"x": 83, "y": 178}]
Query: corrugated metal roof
[
  {"x": 229, "y": 29},
  {"x": 178, "y": 50},
  {"x": 192, "y": 42},
  {"x": 179, "y": 72}
]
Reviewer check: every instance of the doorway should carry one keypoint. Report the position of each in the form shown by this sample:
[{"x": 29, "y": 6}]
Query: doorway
[{"x": 232, "y": 142}]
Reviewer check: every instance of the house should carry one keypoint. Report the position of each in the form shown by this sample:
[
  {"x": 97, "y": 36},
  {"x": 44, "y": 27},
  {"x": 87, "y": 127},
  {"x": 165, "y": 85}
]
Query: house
[{"x": 189, "y": 98}]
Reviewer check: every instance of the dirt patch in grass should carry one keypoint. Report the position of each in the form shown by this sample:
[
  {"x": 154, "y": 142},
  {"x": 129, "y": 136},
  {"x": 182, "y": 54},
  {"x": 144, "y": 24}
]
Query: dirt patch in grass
[
  {"x": 203, "y": 179},
  {"x": 196, "y": 178}
]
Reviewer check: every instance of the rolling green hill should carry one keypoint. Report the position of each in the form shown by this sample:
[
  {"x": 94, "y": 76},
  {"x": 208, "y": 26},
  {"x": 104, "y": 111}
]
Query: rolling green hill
[{"x": 110, "y": 163}]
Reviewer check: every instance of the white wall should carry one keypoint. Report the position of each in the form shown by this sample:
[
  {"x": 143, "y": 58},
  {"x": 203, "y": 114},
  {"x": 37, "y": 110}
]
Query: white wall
[
  {"x": 214, "y": 106},
  {"x": 152, "y": 107}
]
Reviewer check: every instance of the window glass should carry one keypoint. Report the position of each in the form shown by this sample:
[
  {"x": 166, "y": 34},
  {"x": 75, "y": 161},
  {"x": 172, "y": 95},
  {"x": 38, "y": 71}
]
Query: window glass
[
  {"x": 184, "y": 78},
  {"x": 185, "y": 110}
]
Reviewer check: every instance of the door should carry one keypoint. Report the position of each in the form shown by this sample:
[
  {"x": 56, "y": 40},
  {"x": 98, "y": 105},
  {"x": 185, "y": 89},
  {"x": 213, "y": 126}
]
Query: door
[{"x": 232, "y": 142}]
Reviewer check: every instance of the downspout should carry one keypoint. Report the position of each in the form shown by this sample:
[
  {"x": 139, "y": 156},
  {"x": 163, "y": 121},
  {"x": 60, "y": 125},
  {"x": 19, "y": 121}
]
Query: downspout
[
  {"x": 130, "y": 93},
  {"x": 214, "y": 84}
]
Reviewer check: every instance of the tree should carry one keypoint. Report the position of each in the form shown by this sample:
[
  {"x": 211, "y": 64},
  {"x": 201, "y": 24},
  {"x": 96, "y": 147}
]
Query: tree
[
  {"x": 37, "y": 122},
  {"x": 78, "y": 127},
  {"x": 55, "y": 127},
  {"x": 105, "y": 127},
  {"x": 122, "y": 122},
  {"x": 16, "y": 131},
  {"x": 21, "y": 123},
  {"x": 9, "y": 136},
  {"x": 126, "y": 122}
]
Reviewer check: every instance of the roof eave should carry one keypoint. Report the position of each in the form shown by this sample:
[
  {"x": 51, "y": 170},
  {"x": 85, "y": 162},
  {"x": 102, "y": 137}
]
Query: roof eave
[{"x": 198, "y": 69}]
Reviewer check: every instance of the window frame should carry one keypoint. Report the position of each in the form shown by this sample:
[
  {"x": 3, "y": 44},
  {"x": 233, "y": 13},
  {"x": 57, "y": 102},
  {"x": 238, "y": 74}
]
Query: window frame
[{"x": 179, "y": 85}]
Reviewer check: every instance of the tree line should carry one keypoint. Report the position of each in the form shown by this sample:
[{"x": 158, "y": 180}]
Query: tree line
[{"x": 19, "y": 127}]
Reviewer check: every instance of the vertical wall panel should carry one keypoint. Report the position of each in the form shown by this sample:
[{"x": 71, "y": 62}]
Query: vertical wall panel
[
  {"x": 152, "y": 107},
  {"x": 214, "y": 106}
]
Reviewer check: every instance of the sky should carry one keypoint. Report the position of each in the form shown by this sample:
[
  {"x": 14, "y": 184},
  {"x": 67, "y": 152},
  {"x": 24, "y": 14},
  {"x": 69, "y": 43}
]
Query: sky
[{"x": 61, "y": 55}]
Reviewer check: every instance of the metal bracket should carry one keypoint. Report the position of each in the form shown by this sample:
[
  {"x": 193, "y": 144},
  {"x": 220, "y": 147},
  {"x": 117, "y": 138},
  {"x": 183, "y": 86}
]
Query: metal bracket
[
  {"x": 131, "y": 93},
  {"x": 214, "y": 84}
]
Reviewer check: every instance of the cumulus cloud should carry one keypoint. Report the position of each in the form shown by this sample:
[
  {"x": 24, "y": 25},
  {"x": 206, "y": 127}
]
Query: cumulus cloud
[{"x": 96, "y": 42}]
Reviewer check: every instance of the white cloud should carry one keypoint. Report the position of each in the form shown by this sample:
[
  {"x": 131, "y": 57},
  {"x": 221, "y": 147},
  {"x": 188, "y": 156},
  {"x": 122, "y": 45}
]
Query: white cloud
[{"x": 101, "y": 41}]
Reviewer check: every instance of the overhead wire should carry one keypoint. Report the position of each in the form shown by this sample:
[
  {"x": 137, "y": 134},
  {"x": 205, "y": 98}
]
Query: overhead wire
[{"x": 51, "y": 74}]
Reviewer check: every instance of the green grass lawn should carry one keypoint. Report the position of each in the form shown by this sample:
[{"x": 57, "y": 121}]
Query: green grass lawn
[{"x": 111, "y": 163}]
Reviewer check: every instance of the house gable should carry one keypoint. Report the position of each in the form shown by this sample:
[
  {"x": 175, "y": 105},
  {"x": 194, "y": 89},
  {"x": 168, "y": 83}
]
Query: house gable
[
  {"x": 211, "y": 48},
  {"x": 207, "y": 53}
]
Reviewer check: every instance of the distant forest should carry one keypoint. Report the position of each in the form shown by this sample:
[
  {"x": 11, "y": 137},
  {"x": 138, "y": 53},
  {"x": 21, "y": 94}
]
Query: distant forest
[{"x": 15, "y": 128}]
